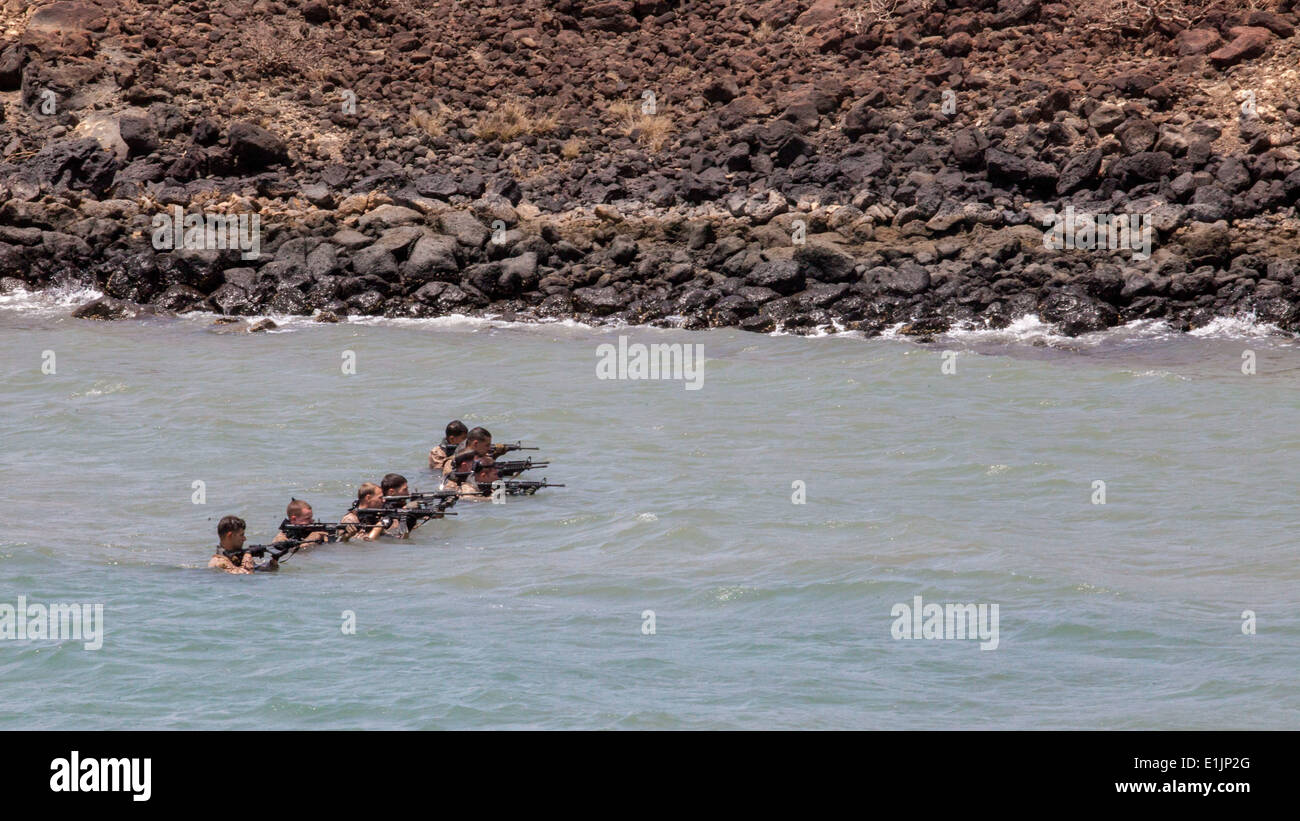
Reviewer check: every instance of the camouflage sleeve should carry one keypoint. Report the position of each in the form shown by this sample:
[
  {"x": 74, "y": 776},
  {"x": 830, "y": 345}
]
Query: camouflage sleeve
[
  {"x": 224, "y": 564},
  {"x": 347, "y": 534}
]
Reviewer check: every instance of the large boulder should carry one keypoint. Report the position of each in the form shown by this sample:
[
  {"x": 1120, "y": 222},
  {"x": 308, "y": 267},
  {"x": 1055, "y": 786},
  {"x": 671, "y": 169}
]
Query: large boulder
[
  {"x": 254, "y": 148},
  {"x": 599, "y": 301},
  {"x": 821, "y": 262},
  {"x": 68, "y": 16},
  {"x": 1074, "y": 312},
  {"x": 74, "y": 164},
  {"x": 1248, "y": 43},
  {"x": 465, "y": 227},
  {"x": 785, "y": 276},
  {"x": 432, "y": 257},
  {"x": 107, "y": 308},
  {"x": 907, "y": 278}
]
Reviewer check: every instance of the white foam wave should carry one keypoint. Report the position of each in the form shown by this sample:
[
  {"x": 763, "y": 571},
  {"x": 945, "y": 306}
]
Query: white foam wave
[
  {"x": 1032, "y": 330},
  {"x": 1027, "y": 329},
  {"x": 835, "y": 328},
  {"x": 1245, "y": 326},
  {"x": 48, "y": 300},
  {"x": 454, "y": 322}
]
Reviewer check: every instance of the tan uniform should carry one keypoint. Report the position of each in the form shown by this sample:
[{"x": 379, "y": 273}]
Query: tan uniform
[
  {"x": 220, "y": 562},
  {"x": 469, "y": 492},
  {"x": 496, "y": 452},
  {"x": 398, "y": 528},
  {"x": 440, "y": 456},
  {"x": 351, "y": 518},
  {"x": 447, "y": 464},
  {"x": 449, "y": 483},
  {"x": 310, "y": 539}
]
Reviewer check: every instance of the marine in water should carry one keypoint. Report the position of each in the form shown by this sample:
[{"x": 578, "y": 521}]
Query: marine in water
[{"x": 453, "y": 438}]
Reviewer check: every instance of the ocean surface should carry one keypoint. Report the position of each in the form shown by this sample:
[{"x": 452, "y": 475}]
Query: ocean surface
[{"x": 975, "y": 486}]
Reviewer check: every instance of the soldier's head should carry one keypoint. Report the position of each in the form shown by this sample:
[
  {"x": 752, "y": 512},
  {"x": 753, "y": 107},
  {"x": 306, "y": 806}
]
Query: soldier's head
[
  {"x": 394, "y": 484},
  {"x": 485, "y": 470},
  {"x": 230, "y": 530},
  {"x": 298, "y": 512},
  {"x": 370, "y": 495},
  {"x": 456, "y": 432},
  {"x": 463, "y": 463},
  {"x": 479, "y": 441}
]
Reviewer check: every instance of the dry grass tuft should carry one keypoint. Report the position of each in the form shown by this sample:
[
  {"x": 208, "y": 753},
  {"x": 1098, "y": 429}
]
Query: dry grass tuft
[
  {"x": 572, "y": 148},
  {"x": 433, "y": 123},
  {"x": 651, "y": 130},
  {"x": 510, "y": 120}
]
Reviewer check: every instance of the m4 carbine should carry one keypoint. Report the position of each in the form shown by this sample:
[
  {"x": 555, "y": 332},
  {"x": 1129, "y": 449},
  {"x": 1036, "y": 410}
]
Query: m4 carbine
[
  {"x": 295, "y": 531},
  {"x": 412, "y": 514},
  {"x": 506, "y": 447},
  {"x": 278, "y": 550},
  {"x": 521, "y": 487},
  {"x": 518, "y": 466},
  {"x": 445, "y": 498}
]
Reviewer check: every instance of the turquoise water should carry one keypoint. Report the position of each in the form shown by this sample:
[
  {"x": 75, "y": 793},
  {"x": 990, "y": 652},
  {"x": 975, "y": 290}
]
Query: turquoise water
[{"x": 973, "y": 487}]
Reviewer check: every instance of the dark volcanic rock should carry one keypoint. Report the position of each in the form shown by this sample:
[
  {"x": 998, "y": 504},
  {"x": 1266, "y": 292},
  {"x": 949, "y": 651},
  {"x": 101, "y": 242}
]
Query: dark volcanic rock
[
  {"x": 75, "y": 164},
  {"x": 139, "y": 135},
  {"x": 599, "y": 301},
  {"x": 1146, "y": 166},
  {"x": 968, "y": 147},
  {"x": 1076, "y": 313},
  {"x": 254, "y": 147},
  {"x": 536, "y": 186},
  {"x": 782, "y": 275},
  {"x": 1008, "y": 167},
  {"x": 106, "y": 307},
  {"x": 1079, "y": 171},
  {"x": 1248, "y": 43},
  {"x": 316, "y": 12},
  {"x": 824, "y": 263},
  {"x": 432, "y": 257},
  {"x": 907, "y": 278}
]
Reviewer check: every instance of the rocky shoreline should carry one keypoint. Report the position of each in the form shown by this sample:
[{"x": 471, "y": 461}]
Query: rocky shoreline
[{"x": 775, "y": 165}]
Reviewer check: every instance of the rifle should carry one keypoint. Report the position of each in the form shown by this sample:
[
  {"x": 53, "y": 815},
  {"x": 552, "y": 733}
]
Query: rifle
[
  {"x": 278, "y": 550},
  {"x": 331, "y": 528},
  {"x": 392, "y": 514},
  {"x": 518, "y": 466},
  {"x": 506, "y": 447},
  {"x": 520, "y": 487},
  {"x": 445, "y": 498}
]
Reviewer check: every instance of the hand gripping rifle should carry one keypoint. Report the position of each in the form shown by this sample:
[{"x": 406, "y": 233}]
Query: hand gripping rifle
[
  {"x": 387, "y": 516},
  {"x": 301, "y": 532},
  {"x": 277, "y": 551}
]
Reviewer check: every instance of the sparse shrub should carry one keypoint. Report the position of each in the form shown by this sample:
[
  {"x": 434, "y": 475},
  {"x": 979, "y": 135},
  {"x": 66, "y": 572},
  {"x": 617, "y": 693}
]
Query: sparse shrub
[
  {"x": 433, "y": 123},
  {"x": 572, "y": 148},
  {"x": 510, "y": 120},
  {"x": 650, "y": 130}
]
